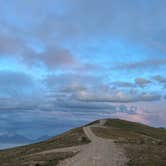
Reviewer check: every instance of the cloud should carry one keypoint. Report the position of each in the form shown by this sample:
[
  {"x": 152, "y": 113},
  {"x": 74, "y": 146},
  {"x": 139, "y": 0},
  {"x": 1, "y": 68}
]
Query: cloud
[
  {"x": 73, "y": 81},
  {"x": 15, "y": 83},
  {"x": 139, "y": 82},
  {"x": 131, "y": 110},
  {"x": 160, "y": 79},
  {"x": 149, "y": 97},
  {"x": 151, "y": 63},
  {"x": 116, "y": 97},
  {"x": 52, "y": 58},
  {"x": 89, "y": 89},
  {"x": 9, "y": 45},
  {"x": 15, "y": 45},
  {"x": 19, "y": 91},
  {"x": 123, "y": 84},
  {"x": 142, "y": 82},
  {"x": 116, "y": 17},
  {"x": 57, "y": 57},
  {"x": 68, "y": 28},
  {"x": 19, "y": 104}
]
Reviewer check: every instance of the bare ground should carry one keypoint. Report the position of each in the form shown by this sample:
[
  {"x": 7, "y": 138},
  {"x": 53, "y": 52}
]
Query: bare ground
[{"x": 100, "y": 152}]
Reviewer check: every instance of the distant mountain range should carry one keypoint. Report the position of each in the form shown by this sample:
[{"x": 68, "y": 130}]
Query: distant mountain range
[
  {"x": 42, "y": 138},
  {"x": 20, "y": 139}
]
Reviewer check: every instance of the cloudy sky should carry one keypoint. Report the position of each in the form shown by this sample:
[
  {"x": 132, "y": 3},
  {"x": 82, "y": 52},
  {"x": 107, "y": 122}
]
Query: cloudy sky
[{"x": 67, "y": 62}]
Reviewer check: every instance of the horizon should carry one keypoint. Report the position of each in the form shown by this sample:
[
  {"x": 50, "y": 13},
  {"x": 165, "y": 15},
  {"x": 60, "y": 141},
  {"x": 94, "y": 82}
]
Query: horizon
[{"x": 66, "y": 63}]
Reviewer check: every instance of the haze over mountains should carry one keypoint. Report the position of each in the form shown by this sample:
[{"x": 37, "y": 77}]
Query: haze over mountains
[{"x": 9, "y": 140}]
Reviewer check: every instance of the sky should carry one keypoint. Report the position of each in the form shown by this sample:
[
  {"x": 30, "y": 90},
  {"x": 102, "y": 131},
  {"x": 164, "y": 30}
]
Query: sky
[{"x": 64, "y": 63}]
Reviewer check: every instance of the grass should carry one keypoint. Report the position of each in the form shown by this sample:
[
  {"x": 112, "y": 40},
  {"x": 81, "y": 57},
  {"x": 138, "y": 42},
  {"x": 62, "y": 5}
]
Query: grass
[
  {"x": 93, "y": 123},
  {"x": 146, "y": 155},
  {"x": 51, "y": 159},
  {"x": 12, "y": 157},
  {"x": 121, "y": 136},
  {"x": 144, "y": 145},
  {"x": 158, "y": 133}
]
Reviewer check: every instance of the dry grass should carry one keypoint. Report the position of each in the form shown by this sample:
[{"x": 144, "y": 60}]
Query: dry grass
[
  {"x": 144, "y": 145},
  {"x": 146, "y": 155},
  {"x": 157, "y": 133},
  {"x": 17, "y": 156},
  {"x": 50, "y": 159}
]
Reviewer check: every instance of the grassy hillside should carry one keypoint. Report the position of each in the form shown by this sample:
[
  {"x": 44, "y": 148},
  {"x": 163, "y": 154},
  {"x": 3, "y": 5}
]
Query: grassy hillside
[
  {"x": 22, "y": 156},
  {"x": 144, "y": 145}
]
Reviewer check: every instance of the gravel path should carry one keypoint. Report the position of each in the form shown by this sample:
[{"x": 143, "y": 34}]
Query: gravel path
[{"x": 100, "y": 152}]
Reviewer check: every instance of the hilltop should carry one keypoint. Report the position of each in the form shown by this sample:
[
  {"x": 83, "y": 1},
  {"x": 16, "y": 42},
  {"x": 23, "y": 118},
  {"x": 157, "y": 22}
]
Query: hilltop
[{"x": 107, "y": 142}]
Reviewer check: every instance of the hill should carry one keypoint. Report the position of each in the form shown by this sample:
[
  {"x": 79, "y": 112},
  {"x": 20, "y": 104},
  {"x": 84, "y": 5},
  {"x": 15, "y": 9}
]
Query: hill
[
  {"x": 144, "y": 145},
  {"x": 106, "y": 142}
]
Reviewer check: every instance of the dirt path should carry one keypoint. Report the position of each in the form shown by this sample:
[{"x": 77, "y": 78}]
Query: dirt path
[
  {"x": 100, "y": 152},
  {"x": 69, "y": 149}
]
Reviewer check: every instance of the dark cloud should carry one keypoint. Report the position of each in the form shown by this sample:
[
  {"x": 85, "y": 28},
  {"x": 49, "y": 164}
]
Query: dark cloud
[
  {"x": 123, "y": 84},
  {"x": 15, "y": 83},
  {"x": 67, "y": 25},
  {"x": 118, "y": 97},
  {"x": 9, "y": 45},
  {"x": 87, "y": 88},
  {"x": 160, "y": 79},
  {"x": 142, "y": 82},
  {"x": 57, "y": 57},
  {"x": 16, "y": 45},
  {"x": 74, "y": 104},
  {"x": 151, "y": 63},
  {"x": 15, "y": 103},
  {"x": 149, "y": 97},
  {"x": 71, "y": 82},
  {"x": 88, "y": 20},
  {"x": 130, "y": 110},
  {"x": 52, "y": 58}
]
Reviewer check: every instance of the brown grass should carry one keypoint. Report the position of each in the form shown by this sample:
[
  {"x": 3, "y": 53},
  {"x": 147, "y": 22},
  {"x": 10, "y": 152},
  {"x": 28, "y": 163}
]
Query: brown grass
[
  {"x": 12, "y": 157},
  {"x": 146, "y": 155},
  {"x": 144, "y": 145}
]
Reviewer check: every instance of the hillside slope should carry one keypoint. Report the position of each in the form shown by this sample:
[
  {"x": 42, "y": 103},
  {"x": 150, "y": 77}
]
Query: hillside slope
[
  {"x": 108, "y": 142},
  {"x": 29, "y": 154},
  {"x": 144, "y": 145}
]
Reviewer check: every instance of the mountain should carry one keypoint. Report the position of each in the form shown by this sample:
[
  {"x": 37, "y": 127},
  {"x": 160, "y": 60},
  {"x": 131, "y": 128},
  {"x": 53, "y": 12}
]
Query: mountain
[
  {"x": 42, "y": 138},
  {"x": 14, "y": 138},
  {"x": 106, "y": 142}
]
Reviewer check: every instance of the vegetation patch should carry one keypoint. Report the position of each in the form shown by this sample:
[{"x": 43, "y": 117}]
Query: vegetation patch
[
  {"x": 144, "y": 145},
  {"x": 146, "y": 155},
  {"x": 12, "y": 157},
  {"x": 157, "y": 133}
]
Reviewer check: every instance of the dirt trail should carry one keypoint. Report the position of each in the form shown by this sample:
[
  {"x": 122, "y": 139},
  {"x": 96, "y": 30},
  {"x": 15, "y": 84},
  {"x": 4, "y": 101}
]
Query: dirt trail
[{"x": 100, "y": 152}]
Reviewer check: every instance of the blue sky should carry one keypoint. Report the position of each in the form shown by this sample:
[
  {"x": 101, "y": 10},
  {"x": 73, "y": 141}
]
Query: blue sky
[{"x": 65, "y": 63}]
